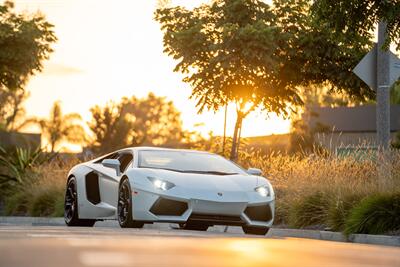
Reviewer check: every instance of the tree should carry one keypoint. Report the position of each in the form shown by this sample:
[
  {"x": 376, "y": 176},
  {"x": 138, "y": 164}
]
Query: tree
[
  {"x": 228, "y": 52},
  {"x": 132, "y": 122},
  {"x": 25, "y": 42},
  {"x": 361, "y": 16},
  {"x": 317, "y": 54},
  {"x": 254, "y": 55},
  {"x": 110, "y": 127},
  {"x": 11, "y": 109},
  {"x": 61, "y": 128}
]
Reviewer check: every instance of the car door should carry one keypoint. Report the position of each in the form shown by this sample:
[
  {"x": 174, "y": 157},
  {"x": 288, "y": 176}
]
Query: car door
[{"x": 109, "y": 180}]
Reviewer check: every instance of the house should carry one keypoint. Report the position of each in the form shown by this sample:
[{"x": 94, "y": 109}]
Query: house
[{"x": 348, "y": 126}]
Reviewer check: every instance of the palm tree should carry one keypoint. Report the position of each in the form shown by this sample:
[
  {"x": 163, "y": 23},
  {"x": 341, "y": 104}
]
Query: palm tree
[{"x": 59, "y": 127}]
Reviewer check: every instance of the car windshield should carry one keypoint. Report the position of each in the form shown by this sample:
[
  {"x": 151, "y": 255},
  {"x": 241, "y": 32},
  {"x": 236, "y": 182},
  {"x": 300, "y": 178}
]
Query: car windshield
[{"x": 189, "y": 162}]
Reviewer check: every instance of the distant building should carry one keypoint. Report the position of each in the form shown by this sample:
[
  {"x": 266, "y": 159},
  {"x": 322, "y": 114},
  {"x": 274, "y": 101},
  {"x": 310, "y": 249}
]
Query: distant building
[
  {"x": 16, "y": 139},
  {"x": 348, "y": 126}
]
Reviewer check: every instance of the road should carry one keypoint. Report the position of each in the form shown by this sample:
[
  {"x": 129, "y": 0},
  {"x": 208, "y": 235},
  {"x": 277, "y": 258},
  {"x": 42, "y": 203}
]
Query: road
[{"x": 58, "y": 246}]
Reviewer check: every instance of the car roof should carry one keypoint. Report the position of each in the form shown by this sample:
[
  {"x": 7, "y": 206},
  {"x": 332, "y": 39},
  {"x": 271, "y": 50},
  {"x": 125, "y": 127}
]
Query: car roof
[{"x": 147, "y": 148}]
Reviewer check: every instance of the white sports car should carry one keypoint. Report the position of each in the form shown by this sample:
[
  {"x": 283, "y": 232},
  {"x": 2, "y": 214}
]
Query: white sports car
[{"x": 191, "y": 188}]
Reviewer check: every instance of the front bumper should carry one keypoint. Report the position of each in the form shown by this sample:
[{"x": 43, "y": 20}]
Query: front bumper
[{"x": 213, "y": 208}]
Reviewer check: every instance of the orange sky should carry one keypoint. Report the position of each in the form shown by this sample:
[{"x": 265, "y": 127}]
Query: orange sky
[{"x": 110, "y": 49}]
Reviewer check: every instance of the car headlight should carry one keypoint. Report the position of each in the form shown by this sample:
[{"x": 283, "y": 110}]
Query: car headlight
[
  {"x": 161, "y": 184},
  {"x": 263, "y": 190}
]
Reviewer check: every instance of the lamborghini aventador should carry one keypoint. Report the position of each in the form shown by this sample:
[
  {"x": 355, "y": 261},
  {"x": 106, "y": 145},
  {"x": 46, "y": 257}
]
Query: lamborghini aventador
[{"x": 190, "y": 188}]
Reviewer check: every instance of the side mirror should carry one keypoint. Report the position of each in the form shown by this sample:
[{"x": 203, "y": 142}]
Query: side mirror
[
  {"x": 112, "y": 163},
  {"x": 254, "y": 171}
]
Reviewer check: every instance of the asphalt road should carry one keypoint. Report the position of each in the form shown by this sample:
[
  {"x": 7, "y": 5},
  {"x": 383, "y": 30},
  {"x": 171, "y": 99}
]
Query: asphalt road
[{"x": 55, "y": 246}]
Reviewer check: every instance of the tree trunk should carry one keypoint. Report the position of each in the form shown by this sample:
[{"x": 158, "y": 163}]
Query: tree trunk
[
  {"x": 52, "y": 146},
  {"x": 238, "y": 139},
  {"x": 224, "y": 140},
  {"x": 238, "y": 124}
]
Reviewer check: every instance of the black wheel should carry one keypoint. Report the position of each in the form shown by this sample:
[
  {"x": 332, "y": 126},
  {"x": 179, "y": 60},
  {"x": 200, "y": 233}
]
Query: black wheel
[
  {"x": 252, "y": 230},
  {"x": 71, "y": 215},
  {"x": 125, "y": 207},
  {"x": 193, "y": 226}
]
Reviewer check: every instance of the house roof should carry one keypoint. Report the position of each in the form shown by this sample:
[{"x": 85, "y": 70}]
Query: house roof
[{"x": 352, "y": 119}]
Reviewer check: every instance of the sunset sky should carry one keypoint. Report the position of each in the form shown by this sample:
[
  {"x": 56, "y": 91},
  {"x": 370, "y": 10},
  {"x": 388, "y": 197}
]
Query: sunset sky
[{"x": 110, "y": 49}]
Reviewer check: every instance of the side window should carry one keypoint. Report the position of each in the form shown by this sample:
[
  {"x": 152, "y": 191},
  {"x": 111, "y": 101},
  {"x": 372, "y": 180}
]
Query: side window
[
  {"x": 125, "y": 159},
  {"x": 110, "y": 156}
]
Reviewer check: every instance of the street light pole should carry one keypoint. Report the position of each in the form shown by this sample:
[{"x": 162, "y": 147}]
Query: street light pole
[{"x": 383, "y": 93}]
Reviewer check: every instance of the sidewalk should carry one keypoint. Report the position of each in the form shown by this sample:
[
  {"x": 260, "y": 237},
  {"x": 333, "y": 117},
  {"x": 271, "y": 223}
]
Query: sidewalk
[{"x": 274, "y": 232}]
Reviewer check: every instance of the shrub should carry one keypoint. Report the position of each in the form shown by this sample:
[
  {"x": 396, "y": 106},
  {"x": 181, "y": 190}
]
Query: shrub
[
  {"x": 59, "y": 206},
  {"x": 281, "y": 209},
  {"x": 18, "y": 203},
  {"x": 376, "y": 214},
  {"x": 44, "y": 203},
  {"x": 339, "y": 209},
  {"x": 342, "y": 181},
  {"x": 309, "y": 211},
  {"x": 42, "y": 193},
  {"x": 16, "y": 168}
]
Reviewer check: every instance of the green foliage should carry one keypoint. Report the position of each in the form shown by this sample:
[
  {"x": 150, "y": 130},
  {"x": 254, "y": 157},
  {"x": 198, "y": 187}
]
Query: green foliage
[
  {"x": 16, "y": 166},
  {"x": 249, "y": 53},
  {"x": 58, "y": 205},
  {"x": 34, "y": 201},
  {"x": 309, "y": 211},
  {"x": 148, "y": 121},
  {"x": 282, "y": 210},
  {"x": 228, "y": 51},
  {"x": 47, "y": 203},
  {"x": 248, "y": 50},
  {"x": 339, "y": 210},
  {"x": 25, "y": 42},
  {"x": 18, "y": 203},
  {"x": 42, "y": 193},
  {"x": 376, "y": 214},
  {"x": 360, "y": 16}
]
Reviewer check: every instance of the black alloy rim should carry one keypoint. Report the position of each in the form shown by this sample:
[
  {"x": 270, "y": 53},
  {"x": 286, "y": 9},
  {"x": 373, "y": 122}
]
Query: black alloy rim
[
  {"x": 70, "y": 201},
  {"x": 124, "y": 201}
]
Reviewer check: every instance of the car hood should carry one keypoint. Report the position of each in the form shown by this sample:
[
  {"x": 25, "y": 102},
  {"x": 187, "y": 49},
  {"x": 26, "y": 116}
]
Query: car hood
[{"x": 237, "y": 182}]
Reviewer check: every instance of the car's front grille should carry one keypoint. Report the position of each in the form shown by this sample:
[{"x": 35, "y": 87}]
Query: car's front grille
[
  {"x": 259, "y": 213},
  {"x": 168, "y": 207},
  {"x": 216, "y": 219}
]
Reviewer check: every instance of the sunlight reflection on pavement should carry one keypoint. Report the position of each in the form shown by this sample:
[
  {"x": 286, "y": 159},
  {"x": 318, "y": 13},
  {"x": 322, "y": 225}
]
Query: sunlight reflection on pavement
[{"x": 125, "y": 248}]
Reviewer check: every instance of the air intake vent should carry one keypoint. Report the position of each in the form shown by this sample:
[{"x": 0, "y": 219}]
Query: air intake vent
[
  {"x": 259, "y": 213},
  {"x": 92, "y": 187},
  {"x": 168, "y": 207},
  {"x": 217, "y": 219}
]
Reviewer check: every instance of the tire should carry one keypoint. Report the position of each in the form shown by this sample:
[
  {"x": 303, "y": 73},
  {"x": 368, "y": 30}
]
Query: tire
[
  {"x": 253, "y": 230},
  {"x": 124, "y": 210},
  {"x": 71, "y": 215},
  {"x": 193, "y": 226}
]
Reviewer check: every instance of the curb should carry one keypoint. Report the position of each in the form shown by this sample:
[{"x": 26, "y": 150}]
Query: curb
[
  {"x": 274, "y": 232},
  {"x": 22, "y": 220},
  {"x": 337, "y": 236}
]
